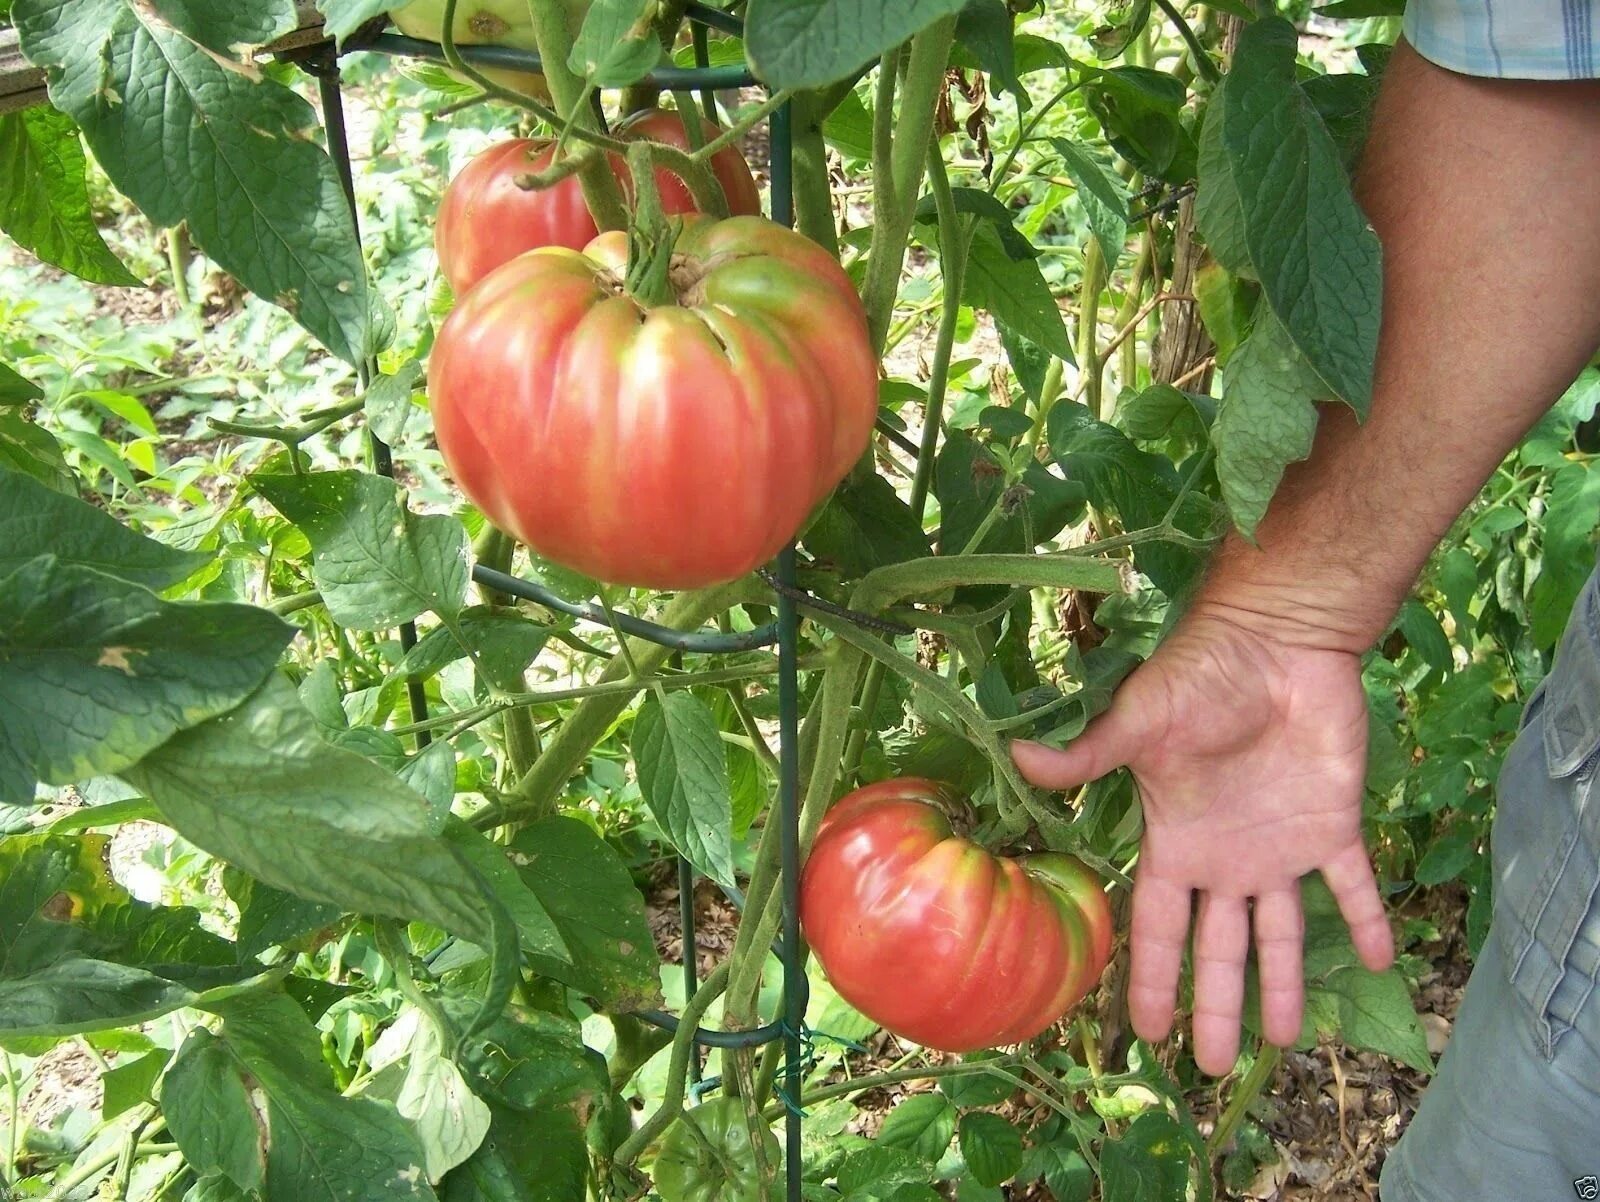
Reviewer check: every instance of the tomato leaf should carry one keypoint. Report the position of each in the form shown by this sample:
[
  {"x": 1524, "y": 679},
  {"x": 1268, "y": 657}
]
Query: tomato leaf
[
  {"x": 1061, "y": 1166},
  {"x": 1150, "y": 1163},
  {"x": 808, "y": 43},
  {"x": 1266, "y": 419},
  {"x": 375, "y": 562},
  {"x": 923, "y": 1123},
  {"x": 1102, "y": 193},
  {"x": 683, "y": 774},
  {"x": 1571, "y": 514},
  {"x": 98, "y": 672},
  {"x": 344, "y": 17},
  {"x": 538, "y": 930},
  {"x": 261, "y": 789},
  {"x": 388, "y": 402},
  {"x": 1282, "y": 201},
  {"x": 77, "y": 953},
  {"x": 586, "y": 889},
  {"x": 986, "y": 28},
  {"x": 450, "y": 1120},
  {"x": 36, "y": 520},
  {"x": 538, "y": 1157},
  {"x": 616, "y": 46},
  {"x": 261, "y": 1104},
  {"x": 865, "y": 525},
  {"x": 1014, "y": 292},
  {"x": 190, "y": 134},
  {"x": 130, "y": 1082},
  {"x": 15, "y": 390},
  {"x": 44, "y": 198},
  {"x": 504, "y": 642},
  {"x": 991, "y": 1146}
]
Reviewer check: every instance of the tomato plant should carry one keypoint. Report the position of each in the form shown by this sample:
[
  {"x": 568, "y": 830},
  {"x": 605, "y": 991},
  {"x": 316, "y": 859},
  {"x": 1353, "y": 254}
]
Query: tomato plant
[
  {"x": 936, "y": 938},
  {"x": 357, "y": 842},
  {"x": 678, "y": 445},
  {"x": 487, "y": 219}
]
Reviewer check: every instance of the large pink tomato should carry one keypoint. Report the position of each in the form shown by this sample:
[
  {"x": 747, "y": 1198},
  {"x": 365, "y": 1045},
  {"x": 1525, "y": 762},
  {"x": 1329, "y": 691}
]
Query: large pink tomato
[
  {"x": 937, "y": 939},
  {"x": 672, "y": 446},
  {"x": 485, "y": 219}
]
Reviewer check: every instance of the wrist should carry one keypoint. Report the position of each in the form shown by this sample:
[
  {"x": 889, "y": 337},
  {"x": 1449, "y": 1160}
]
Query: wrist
[{"x": 1322, "y": 605}]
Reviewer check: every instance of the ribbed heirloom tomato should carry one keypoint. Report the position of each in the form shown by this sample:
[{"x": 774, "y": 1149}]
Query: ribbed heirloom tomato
[
  {"x": 672, "y": 446},
  {"x": 938, "y": 940},
  {"x": 485, "y": 219}
]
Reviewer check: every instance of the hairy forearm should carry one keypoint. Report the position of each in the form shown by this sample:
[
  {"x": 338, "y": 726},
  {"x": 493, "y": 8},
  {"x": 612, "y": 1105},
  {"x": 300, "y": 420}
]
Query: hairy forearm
[{"x": 1483, "y": 194}]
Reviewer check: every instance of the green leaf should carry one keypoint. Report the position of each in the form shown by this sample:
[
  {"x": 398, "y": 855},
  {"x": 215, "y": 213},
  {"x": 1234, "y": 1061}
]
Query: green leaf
[
  {"x": 1136, "y": 485},
  {"x": 36, "y": 520},
  {"x": 976, "y": 1089},
  {"x": 1101, "y": 192},
  {"x": 188, "y": 134},
  {"x": 1162, "y": 410},
  {"x": 1570, "y": 517},
  {"x": 1062, "y": 1167},
  {"x": 878, "y": 1167},
  {"x": 344, "y": 17},
  {"x": 44, "y": 196},
  {"x": 616, "y": 45},
  {"x": 63, "y": 925},
  {"x": 865, "y": 525},
  {"x": 130, "y": 1082},
  {"x": 387, "y": 401},
  {"x": 1425, "y": 635},
  {"x": 969, "y": 480},
  {"x": 991, "y": 1146},
  {"x": 30, "y": 450},
  {"x": 1266, "y": 419},
  {"x": 270, "y": 917},
  {"x": 923, "y": 1123},
  {"x": 375, "y": 562},
  {"x": 1139, "y": 110},
  {"x": 1014, "y": 292},
  {"x": 538, "y": 1157},
  {"x": 97, "y": 672},
  {"x": 537, "y": 930},
  {"x": 208, "y": 1110},
  {"x": 808, "y": 43},
  {"x": 504, "y": 641},
  {"x": 260, "y": 789},
  {"x": 269, "y": 1090},
  {"x": 1218, "y": 212},
  {"x": 1447, "y": 857},
  {"x": 1376, "y": 1014},
  {"x": 529, "y": 1059},
  {"x": 683, "y": 774},
  {"x": 588, "y": 892},
  {"x": 1318, "y": 260},
  {"x": 15, "y": 390},
  {"x": 449, "y": 1119},
  {"x": 1150, "y": 1163},
  {"x": 986, "y": 28},
  {"x": 1355, "y": 10}
]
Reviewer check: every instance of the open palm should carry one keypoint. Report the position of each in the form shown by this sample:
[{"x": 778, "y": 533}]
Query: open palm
[{"x": 1249, "y": 754}]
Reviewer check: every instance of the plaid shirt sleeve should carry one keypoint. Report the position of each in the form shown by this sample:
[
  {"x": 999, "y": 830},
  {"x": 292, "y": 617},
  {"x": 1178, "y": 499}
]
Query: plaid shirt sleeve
[{"x": 1508, "y": 39}]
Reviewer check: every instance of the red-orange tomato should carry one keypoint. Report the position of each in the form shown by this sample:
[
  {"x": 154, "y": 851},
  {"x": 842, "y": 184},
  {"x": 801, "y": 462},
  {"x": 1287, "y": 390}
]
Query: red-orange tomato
[
  {"x": 935, "y": 938},
  {"x": 485, "y": 219},
  {"x": 674, "y": 446}
]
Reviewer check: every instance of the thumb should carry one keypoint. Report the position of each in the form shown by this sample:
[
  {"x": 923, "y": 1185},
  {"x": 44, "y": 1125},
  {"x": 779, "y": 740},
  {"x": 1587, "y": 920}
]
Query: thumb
[{"x": 1110, "y": 742}]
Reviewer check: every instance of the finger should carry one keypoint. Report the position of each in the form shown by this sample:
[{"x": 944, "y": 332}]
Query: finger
[
  {"x": 1156, "y": 938},
  {"x": 1221, "y": 941},
  {"x": 1280, "y": 940},
  {"x": 1109, "y": 743},
  {"x": 1349, "y": 875}
]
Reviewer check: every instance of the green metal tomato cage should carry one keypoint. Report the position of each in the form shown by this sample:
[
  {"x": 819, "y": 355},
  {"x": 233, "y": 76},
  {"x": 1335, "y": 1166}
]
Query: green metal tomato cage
[{"x": 789, "y": 1028}]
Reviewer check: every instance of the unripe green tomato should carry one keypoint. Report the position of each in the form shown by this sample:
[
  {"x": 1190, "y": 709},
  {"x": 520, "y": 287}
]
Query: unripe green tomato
[
  {"x": 488, "y": 23},
  {"x": 687, "y": 1170}
]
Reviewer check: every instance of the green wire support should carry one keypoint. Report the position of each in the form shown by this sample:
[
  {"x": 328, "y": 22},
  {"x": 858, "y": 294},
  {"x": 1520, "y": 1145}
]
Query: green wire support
[{"x": 701, "y": 642}]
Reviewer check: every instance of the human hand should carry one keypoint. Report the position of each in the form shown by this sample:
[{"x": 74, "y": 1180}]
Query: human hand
[{"x": 1249, "y": 752}]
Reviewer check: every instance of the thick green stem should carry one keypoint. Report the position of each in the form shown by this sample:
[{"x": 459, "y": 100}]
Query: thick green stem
[
  {"x": 677, "y": 1069},
  {"x": 536, "y": 793},
  {"x": 813, "y": 191},
  {"x": 843, "y": 1089},
  {"x": 178, "y": 260},
  {"x": 894, "y": 582},
  {"x": 954, "y": 235},
  {"x": 601, "y": 192},
  {"x": 1243, "y": 1095},
  {"x": 495, "y": 550},
  {"x": 901, "y": 144},
  {"x": 762, "y": 911},
  {"x": 1094, "y": 282}
]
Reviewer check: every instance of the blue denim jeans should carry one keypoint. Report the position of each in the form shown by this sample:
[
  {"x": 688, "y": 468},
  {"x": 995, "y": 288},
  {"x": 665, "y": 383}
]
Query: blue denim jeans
[{"x": 1514, "y": 1112}]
